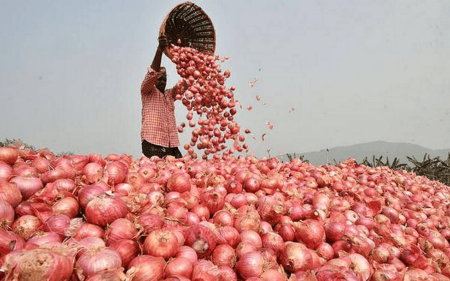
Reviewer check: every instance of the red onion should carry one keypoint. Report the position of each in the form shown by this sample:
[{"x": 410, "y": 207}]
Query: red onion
[
  {"x": 68, "y": 206},
  {"x": 334, "y": 231},
  {"x": 287, "y": 232},
  {"x": 89, "y": 192},
  {"x": 115, "y": 173},
  {"x": 243, "y": 248},
  {"x": 28, "y": 185},
  {"x": 179, "y": 182},
  {"x": 120, "y": 229},
  {"x": 5, "y": 171},
  {"x": 213, "y": 199},
  {"x": 201, "y": 211},
  {"x": 65, "y": 185},
  {"x": 92, "y": 173},
  {"x": 41, "y": 238},
  {"x": 234, "y": 187},
  {"x": 40, "y": 264},
  {"x": 177, "y": 212},
  {"x": 359, "y": 265},
  {"x": 146, "y": 268},
  {"x": 227, "y": 273},
  {"x": 251, "y": 237},
  {"x": 26, "y": 226},
  {"x": 87, "y": 230},
  {"x": 105, "y": 209},
  {"x": 8, "y": 155},
  {"x": 149, "y": 222},
  {"x": 272, "y": 275},
  {"x": 386, "y": 272},
  {"x": 238, "y": 200},
  {"x": 79, "y": 162},
  {"x": 58, "y": 224},
  {"x": 188, "y": 253},
  {"x": 87, "y": 244},
  {"x": 328, "y": 272},
  {"x": 413, "y": 274},
  {"x": 161, "y": 243},
  {"x": 147, "y": 172},
  {"x": 108, "y": 274},
  {"x": 9, "y": 241},
  {"x": 271, "y": 210},
  {"x": 253, "y": 264},
  {"x": 224, "y": 254},
  {"x": 272, "y": 240},
  {"x": 310, "y": 232},
  {"x": 295, "y": 257},
  {"x": 201, "y": 239},
  {"x": 247, "y": 218},
  {"x": 6, "y": 214},
  {"x": 24, "y": 170},
  {"x": 205, "y": 270},
  {"x": 265, "y": 227},
  {"x": 252, "y": 184},
  {"x": 228, "y": 235},
  {"x": 127, "y": 249},
  {"x": 223, "y": 218},
  {"x": 179, "y": 267},
  {"x": 97, "y": 259},
  {"x": 53, "y": 175}
]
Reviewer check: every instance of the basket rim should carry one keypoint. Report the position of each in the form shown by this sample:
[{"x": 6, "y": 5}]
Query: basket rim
[{"x": 197, "y": 8}]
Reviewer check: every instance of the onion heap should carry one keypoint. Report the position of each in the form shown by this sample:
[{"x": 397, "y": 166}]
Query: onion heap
[{"x": 239, "y": 218}]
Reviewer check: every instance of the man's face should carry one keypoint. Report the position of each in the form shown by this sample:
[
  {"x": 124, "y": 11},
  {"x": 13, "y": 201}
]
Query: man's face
[{"x": 162, "y": 80}]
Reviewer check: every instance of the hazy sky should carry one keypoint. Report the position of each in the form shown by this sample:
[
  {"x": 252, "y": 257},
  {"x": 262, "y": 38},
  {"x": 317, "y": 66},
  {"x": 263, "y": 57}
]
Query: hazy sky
[{"x": 329, "y": 73}]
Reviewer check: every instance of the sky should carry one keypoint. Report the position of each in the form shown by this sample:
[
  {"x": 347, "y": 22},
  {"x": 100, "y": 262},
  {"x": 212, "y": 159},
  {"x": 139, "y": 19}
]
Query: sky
[{"x": 328, "y": 73}]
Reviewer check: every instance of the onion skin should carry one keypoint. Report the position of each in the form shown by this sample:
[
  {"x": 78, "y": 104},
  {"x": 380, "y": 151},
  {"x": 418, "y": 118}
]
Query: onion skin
[{"x": 39, "y": 264}]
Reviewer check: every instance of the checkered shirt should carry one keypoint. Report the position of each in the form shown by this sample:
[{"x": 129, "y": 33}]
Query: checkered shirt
[{"x": 158, "y": 113}]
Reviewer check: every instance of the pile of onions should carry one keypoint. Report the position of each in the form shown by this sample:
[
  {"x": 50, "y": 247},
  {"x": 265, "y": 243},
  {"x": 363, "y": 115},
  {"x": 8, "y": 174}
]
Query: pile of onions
[{"x": 232, "y": 218}]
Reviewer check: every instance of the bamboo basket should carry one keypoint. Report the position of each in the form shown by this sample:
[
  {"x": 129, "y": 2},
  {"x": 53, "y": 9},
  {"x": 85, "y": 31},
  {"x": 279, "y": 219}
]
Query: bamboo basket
[{"x": 187, "y": 25}]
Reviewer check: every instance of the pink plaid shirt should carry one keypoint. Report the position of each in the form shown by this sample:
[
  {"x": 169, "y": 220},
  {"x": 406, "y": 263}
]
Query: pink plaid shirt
[{"x": 158, "y": 113}]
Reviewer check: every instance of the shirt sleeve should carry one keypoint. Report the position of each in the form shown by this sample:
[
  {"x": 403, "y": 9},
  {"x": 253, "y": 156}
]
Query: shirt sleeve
[{"x": 149, "y": 81}]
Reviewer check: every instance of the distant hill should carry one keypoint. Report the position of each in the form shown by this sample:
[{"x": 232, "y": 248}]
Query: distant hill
[{"x": 377, "y": 148}]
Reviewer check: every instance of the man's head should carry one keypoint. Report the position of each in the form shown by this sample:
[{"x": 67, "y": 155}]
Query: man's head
[{"x": 162, "y": 80}]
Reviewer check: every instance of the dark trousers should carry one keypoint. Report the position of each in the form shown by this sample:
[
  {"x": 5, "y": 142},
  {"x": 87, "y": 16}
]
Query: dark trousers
[{"x": 149, "y": 150}]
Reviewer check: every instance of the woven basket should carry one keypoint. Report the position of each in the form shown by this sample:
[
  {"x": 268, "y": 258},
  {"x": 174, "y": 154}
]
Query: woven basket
[{"x": 189, "y": 23}]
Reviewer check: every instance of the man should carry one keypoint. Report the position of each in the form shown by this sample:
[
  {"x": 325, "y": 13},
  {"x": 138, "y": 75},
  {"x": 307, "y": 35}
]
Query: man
[{"x": 159, "y": 133}]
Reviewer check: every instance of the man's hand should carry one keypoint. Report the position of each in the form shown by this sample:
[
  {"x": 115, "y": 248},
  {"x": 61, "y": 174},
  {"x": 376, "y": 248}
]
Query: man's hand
[{"x": 163, "y": 43}]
